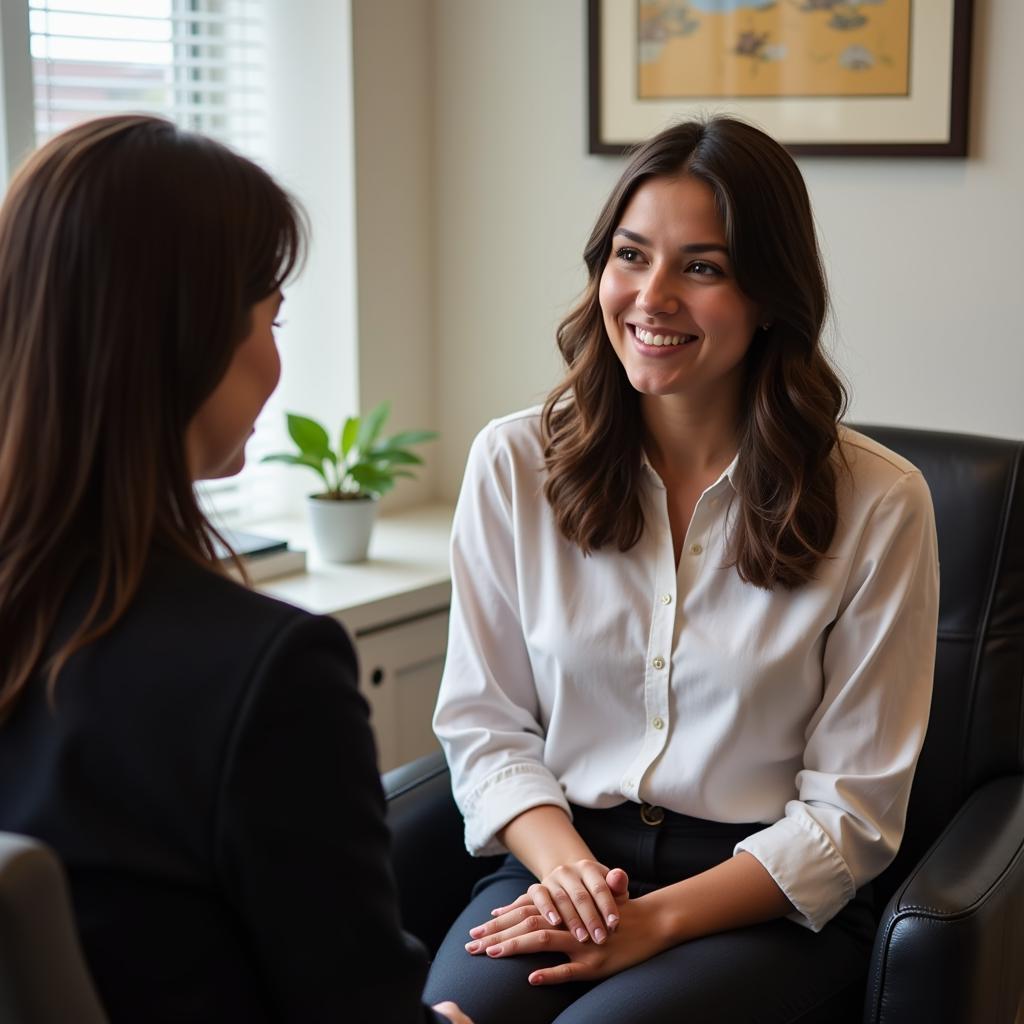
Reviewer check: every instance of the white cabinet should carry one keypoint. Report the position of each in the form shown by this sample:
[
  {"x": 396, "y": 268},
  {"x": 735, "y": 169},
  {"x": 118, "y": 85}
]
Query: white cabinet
[{"x": 399, "y": 673}]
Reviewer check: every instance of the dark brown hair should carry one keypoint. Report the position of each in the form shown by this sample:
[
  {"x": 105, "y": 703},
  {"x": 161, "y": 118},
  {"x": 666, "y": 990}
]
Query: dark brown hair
[
  {"x": 131, "y": 255},
  {"x": 786, "y": 475}
]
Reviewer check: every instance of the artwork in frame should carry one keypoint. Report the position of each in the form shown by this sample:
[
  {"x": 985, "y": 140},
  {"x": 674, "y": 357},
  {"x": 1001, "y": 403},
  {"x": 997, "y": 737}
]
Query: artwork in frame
[{"x": 824, "y": 77}]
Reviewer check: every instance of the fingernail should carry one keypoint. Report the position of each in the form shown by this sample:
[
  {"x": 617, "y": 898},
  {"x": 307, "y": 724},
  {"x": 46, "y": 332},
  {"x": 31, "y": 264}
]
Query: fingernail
[
  {"x": 599, "y": 934},
  {"x": 612, "y": 920},
  {"x": 493, "y": 950},
  {"x": 472, "y": 947},
  {"x": 553, "y": 917},
  {"x": 477, "y": 931},
  {"x": 535, "y": 979},
  {"x": 581, "y": 934}
]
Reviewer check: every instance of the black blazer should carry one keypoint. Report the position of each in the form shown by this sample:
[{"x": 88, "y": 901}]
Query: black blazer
[{"x": 208, "y": 776}]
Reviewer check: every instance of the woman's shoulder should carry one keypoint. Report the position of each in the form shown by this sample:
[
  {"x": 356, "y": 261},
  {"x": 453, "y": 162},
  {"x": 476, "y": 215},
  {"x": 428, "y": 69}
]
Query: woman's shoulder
[
  {"x": 514, "y": 437},
  {"x": 872, "y": 456},
  {"x": 179, "y": 595},
  {"x": 515, "y": 428},
  {"x": 875, "y": 471}
]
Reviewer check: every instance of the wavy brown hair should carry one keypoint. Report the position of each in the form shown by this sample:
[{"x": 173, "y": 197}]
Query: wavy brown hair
[
  {"x": 131, "y": 255},
  {"x": 786, "y": 472}
]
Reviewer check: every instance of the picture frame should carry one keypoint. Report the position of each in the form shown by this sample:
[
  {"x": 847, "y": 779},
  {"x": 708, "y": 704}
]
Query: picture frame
[{"x": 824, "y": 77}]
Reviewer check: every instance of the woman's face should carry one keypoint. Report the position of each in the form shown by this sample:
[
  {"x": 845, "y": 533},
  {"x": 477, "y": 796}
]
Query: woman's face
[
  {"x": 672, "y": 308},
  {"x": 216, "y": 437}
]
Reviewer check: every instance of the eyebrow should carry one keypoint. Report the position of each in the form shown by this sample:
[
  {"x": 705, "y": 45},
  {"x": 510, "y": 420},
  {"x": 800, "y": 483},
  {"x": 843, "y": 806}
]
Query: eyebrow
[{"x": 691, "y": 248}]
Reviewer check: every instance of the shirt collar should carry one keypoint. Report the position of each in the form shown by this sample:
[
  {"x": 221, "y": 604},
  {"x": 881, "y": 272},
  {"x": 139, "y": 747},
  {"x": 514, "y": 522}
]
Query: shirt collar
[{"x": 727, "y": 476}]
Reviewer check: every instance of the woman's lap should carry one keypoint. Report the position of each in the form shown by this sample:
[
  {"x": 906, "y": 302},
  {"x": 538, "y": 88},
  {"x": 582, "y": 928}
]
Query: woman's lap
[
  {"x": 769, "y": 974},
  {"x": 494, "y": 991},
  {"x": 775, "y": 972}
]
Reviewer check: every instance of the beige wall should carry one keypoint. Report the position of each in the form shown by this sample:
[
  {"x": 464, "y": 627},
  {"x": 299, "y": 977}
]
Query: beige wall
[
  {"x": 394, "y": 165},
  {"x": 924, "y": 255}
]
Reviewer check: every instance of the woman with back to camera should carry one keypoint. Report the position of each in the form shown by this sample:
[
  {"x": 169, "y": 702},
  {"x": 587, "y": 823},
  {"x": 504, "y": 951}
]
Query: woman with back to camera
[
  {"x": 197, "y": 754},
  {"x": 693, "y": 629}
]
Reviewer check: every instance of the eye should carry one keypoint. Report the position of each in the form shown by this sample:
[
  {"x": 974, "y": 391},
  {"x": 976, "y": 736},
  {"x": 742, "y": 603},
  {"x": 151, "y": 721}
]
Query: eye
[
  {"x": 703, "y": 269},
  {"x": 278, "y": 323},
  {"x": 628, "y": 254}
]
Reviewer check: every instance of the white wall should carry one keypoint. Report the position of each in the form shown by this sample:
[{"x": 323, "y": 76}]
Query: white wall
[
  {"x": 924, "y": 256},
  {"x": 311, "y": 131}
]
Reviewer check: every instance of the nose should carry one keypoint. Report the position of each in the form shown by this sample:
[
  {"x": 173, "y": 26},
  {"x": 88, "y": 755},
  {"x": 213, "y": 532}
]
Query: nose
[{"x": 658, "y": 296}]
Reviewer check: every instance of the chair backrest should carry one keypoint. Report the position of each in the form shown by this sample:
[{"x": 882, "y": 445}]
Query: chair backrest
[
  {"x": 43, "y": 978},
  {"x": 977, "y": 717}
]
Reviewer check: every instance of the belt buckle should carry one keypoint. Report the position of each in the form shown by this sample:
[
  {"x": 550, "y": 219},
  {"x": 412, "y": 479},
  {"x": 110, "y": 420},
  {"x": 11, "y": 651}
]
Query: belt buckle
[{"x": 651, "y": 814}]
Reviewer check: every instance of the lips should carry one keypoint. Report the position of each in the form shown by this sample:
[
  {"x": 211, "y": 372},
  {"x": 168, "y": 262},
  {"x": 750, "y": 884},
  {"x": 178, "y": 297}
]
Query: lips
[{"x": 660, "y": 338}]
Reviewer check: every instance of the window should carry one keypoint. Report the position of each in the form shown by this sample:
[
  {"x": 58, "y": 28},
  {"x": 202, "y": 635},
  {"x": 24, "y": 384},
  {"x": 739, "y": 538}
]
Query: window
[{"x": 201, "y": 63}]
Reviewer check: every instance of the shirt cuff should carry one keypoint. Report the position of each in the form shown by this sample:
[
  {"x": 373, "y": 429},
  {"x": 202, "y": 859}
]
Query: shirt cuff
[
  {"x": 503, "y": 796},
  {"x": 806, "y": 866}
]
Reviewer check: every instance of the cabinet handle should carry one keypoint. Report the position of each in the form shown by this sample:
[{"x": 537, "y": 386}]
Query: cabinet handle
[{"x": 377, "y": 676}]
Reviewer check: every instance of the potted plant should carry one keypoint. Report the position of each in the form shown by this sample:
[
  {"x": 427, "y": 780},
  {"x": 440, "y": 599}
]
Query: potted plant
[{"x": 355, "y": 474}]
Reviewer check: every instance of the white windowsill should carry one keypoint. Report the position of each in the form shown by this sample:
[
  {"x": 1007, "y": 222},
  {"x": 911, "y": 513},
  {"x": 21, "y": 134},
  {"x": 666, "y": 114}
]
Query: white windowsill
[{"x": 405, "y": 576}]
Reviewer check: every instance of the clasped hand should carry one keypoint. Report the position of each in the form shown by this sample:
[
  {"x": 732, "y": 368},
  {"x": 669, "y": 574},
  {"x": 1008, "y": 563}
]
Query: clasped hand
[{"x": 582, "y": 910}]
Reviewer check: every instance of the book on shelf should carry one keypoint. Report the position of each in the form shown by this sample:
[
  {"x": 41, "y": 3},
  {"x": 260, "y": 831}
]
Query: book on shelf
[{"x": 265, "y": 558}]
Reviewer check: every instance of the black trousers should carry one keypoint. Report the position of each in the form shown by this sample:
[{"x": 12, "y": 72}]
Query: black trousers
[{"x": 769, "y": 973}]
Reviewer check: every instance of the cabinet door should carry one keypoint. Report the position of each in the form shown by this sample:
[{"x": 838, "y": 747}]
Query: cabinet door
[{"x": 399, "y": 674}]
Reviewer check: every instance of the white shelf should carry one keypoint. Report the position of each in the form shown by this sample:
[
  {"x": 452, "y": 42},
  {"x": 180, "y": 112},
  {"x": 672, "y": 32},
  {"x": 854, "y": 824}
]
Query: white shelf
[{"x": 406, "y": 575}]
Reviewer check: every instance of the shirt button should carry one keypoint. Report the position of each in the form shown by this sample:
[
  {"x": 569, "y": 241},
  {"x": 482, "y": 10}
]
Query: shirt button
[
  {"x": 666, "y": 598},
  {"x": 696, "y": 549},
  {"x": 658, "y": 723},
  {"x": 659, "y": 662}
]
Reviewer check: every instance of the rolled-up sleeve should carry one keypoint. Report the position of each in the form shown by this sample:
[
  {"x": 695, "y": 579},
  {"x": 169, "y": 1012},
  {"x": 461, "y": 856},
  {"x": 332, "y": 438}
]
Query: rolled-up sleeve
[
  {"x": 487, "y": 716},
  {"x": 863, "y": 742}
]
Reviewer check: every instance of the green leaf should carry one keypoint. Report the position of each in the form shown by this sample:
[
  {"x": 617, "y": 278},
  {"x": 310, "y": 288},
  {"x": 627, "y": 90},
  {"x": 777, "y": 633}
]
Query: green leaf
[
  {"x": 410, "y": 437},
  {"x": 349, "y": 433},
  {"x": 291, "y": 459},
  {"x": 370, "y": 426},
  {"x": 310, "y": 436},
  {"x": 398, "y": 456},
  {"x": 371, "y": 479}
]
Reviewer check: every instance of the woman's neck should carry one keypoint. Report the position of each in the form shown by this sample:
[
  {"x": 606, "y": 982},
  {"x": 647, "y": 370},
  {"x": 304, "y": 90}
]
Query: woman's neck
[{"x": 684, "y": 440}]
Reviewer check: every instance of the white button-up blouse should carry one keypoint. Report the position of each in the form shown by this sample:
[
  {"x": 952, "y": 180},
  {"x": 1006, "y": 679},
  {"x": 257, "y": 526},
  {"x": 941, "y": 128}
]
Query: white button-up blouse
[{"x": 620, "y": 676}]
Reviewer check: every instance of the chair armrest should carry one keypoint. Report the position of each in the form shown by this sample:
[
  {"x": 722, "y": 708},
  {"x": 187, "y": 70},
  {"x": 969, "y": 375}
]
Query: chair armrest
[
  {"x": 412, "y": 774},
  {"x": 950, "y": 944},
  {"x": 43, "y": 974},
  {"x": 434, "y": 872}
]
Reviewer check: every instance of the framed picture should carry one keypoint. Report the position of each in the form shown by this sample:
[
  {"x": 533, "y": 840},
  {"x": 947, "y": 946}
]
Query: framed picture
[{"x": 824, "y": 77}]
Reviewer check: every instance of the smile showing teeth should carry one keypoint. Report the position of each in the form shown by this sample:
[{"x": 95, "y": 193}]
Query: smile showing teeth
[{"x": 658, "y": 340}]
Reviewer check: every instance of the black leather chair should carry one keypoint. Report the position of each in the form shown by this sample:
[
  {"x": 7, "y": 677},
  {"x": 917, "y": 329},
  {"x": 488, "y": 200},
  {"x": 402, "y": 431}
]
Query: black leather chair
[{"x": 950, "y": 943}]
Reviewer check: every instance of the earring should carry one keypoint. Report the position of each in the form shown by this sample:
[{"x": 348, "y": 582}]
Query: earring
[{"x": 766, "y": 325}]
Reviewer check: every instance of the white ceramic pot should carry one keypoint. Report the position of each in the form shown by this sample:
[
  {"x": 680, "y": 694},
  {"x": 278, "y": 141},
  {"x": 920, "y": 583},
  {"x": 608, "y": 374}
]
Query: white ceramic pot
[{"x": 341, "y": 529}]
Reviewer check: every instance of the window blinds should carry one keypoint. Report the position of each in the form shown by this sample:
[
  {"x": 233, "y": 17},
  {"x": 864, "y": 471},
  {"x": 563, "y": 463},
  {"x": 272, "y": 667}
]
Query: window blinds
[{"x": 199, "y": 62}]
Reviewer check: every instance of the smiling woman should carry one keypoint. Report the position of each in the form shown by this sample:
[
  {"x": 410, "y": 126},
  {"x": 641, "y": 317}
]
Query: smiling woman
[
  {"x": 692, "y": 629},
  {"x": 675, "y": 315},
  {"x": 708, "y": 233}
]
